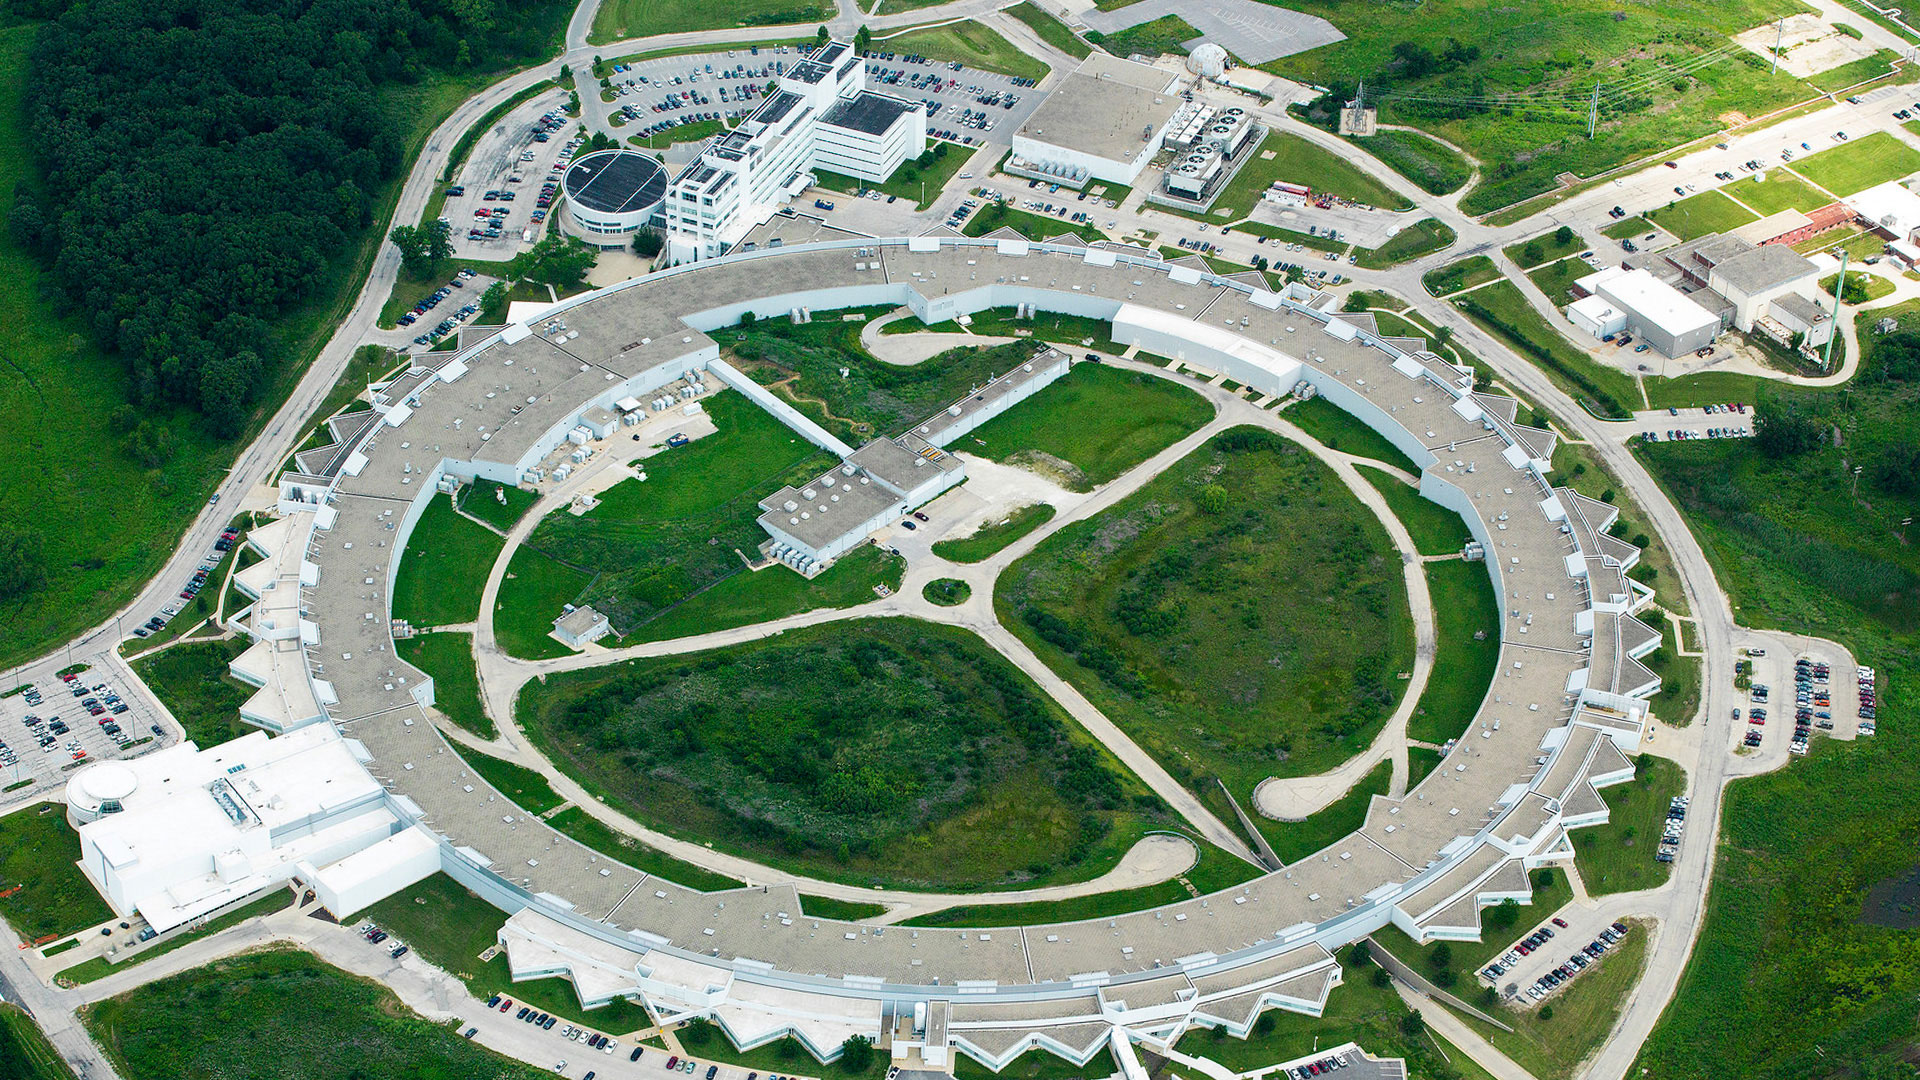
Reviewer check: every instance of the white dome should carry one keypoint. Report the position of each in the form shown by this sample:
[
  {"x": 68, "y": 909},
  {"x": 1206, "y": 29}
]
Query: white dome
[
  {"x": 103, "y": 785},
  {"x": 1209, "y": 61}
]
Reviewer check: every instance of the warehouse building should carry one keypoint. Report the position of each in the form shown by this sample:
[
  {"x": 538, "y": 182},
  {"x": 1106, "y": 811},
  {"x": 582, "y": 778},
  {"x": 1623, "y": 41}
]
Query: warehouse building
[
  {"x": 1643, "y": 305},
  {"x": 610, "y": 195},
  {"x": 1103, "y": 122},
  {"x": 821, "y": 115}
]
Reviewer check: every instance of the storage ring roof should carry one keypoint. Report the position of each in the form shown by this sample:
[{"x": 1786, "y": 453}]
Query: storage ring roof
[{"x": 1568, "y": 686}]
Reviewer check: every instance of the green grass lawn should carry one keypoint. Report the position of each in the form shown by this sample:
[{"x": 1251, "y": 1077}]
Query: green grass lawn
[
  {"x": 194, "y": 613},
  {"x": 25, "y": 1053},
  {"x": 989, "y": 539},
  {"x": 496, "y": 504},
  {"x": 1133, "y": 607},
  {"x": 782, "y": 1056},
  {"x": 1858, "y": 281},
  {"x": 525, "y": 787},
  {"x": 826, "y": 907},
  {"x": 1051, "y": 30},
  {"x": 1043, "y": 326},
  {"x": 1781, "y": 190},
  {"x": 444, "y": 567},
  {"x": 1463, "y": 274},
  {"x": 684, "y": 133},
  {"x": 1036, "y": 227},
  {"x": 1853, "y": 73},
  {"x": 1361, "y": 1010},
  {"x": 666, "y": 556},
  {"x": 1627, "y": 228},
  {"x": 593, "y": 833},
  {"x": 886, "y": 750},
  {"x": 1423, "y": 237},
  {"x": 1420, "y": 762},
  {"x": 1099, "y": 421},
  {"x": 1503, "y": 312},
  {"x": 1435, "y": 529},
  {"x": 191, "y": 679},
  {"x": 1860, "y": 163},
  {"x": 1698, "y": 215},
  {"x": 1437, "y": 168},
  {"x": 38, "y": 850},
  {"x": 286, "y": 1014},
  {"x": 448, "y": 659},
  {"x": 530, "y": 599},
  {"x": 1543, "y": 249},
  {"x": 1556, "y": 279},
  {"x": 972, "y": 44},
  {"x": 1215, "y": 870},
  {"x": 1618, "y": 856},
  {"x": 1298, "y": 161},
  {"x": 1679, "y": 698},
  {"x": 1464, "y": 604},
  {"x": 1341, "y": 430},
  {"x": 1295, "y": 840},
  {"x": 1155, "y": 37},
  {"x": 100, "y": 967},
  {"x": 919, "y": 180},
  {"x": 618, "y": 20}
]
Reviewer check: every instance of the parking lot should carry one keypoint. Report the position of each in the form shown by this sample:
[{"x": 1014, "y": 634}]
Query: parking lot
[
  {"x": 1726, "y": 420},
  {"x": 969, "y": 106},
  {"x": 657, "y": 95},
  {"x": 1788, "y": 695},
  {"x": 57, "y": 724},
  {"x": 1551, "y": 953},
  {"x": 507, "y": 159}
]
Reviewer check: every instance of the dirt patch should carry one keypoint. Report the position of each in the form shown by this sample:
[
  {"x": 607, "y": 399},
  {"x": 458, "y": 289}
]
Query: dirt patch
[
  {"x": 1059, "y": 470},
  {"x": 1732, "y": 119}
]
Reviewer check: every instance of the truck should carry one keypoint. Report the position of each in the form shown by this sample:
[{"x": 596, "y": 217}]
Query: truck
[
  {"x": 822, "y": 204},
  {"x": 677, "y": 439}
]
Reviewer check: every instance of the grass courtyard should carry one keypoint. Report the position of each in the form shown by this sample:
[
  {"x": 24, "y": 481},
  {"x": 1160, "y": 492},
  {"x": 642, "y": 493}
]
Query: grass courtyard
[
  {"x": 448, "y": 659},
  {"x": 1298, "y": 161},
  {"x": 1092, "y": 425},
  {"x": 1618, "y": 856},
  {"x": 444, "y": 567},
  {"x": 192, "y": 678},
  {"x": 1143, "y": 608},
  {"x": 872, "y": 751}
]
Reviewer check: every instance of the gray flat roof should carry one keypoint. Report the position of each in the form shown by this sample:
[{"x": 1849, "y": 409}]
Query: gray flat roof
[
  {"x": 1101, "y": 111},
  {"x": 616, "y": 181},
  {"x": 868, "y": 112}
]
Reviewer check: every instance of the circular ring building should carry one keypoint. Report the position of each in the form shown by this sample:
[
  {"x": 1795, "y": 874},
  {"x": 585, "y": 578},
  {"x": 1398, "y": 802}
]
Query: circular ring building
[{"x": 610, "y": 195}]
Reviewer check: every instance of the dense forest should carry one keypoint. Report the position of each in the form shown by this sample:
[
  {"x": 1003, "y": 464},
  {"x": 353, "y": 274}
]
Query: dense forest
[{"x": 205, "y": 162}]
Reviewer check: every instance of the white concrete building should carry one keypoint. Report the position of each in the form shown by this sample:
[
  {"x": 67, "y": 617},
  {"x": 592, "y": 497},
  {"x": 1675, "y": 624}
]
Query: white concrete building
[
  {"x": 581, "y": 626},
  {"x": 1891, "y": 209},
  {"x": 183, "y": 832},
  {"x": 610, "y": 195},
  {"x": 1649, "y": 308},
  {"x": 1103, "y": 122},
  {"x": 821, "y": 115}
]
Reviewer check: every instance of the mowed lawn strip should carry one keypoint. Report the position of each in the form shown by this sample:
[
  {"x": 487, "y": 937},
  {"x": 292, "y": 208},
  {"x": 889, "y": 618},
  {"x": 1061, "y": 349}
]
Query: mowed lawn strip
[
  {"x": 1618, "y": 856},
  {"x": 623, "y": 19},
  {"x": 448, "y": 659},
  {"x": 1698, "y": 215},
  {"x": 994, "y": 536},
  {"x": 1340, "y": 430},
  {"x": 1100, "y": 420},
  {"x": 443, "y": 568},
  {"x": 1859, "y": 164},
  {"x": 1435, "y": 529},
  {"x": 1464, "y": 605}
]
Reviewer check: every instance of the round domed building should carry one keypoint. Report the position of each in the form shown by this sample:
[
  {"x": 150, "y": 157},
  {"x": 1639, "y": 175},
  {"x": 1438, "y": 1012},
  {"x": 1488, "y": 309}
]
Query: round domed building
[{"x": 610, "y": 195}]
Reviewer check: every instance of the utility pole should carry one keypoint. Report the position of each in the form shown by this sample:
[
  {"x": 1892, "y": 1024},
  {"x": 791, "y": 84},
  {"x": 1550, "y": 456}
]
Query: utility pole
[
  {"x": 1593, "y": 111},
  {"x": 1779, "y": 30},
  {"x": 1839, "y": 290}
]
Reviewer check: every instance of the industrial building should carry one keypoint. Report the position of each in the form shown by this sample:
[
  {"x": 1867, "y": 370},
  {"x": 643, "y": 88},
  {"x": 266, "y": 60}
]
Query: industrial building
[
  {"x": 821, "y": 115},
  {"x": 1645, "y": 306},
  {"x": 815, "y": 523},
  {"x": 1208, "y": 145},
  {"x": 610, "y": 195},
  {"x": 581, "y": 626},
  {"x": 183, "y": 832},
  {"x": 1891, "y": 210},
  {"x": 1102, "y": 122}
]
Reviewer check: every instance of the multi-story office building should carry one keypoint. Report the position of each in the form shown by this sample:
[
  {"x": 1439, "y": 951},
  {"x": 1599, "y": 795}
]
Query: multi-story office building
[{"x": 820, "y": 116}]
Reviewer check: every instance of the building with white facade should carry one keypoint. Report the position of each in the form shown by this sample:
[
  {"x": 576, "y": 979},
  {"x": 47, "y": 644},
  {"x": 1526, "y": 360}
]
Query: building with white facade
[
  {"x": 610, "y": 195},
  {"x": 1641, "y": 303},
  {"x": 1103, "y": 122},
  {"x": 1890, "y": 209},
  {"x": 821, "y": 115},
  {"x": 183, "y": 832}
]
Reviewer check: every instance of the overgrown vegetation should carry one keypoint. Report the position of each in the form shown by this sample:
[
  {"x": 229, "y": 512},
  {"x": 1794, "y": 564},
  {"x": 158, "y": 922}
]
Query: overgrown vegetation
[
  {"x": 1144, "y": 608},
  {"x": 46, "y": 894},
  {"x": 879, "y": 750},
  {"x": 192, "y": 679},
  {"x": 1437, "y": 168}
]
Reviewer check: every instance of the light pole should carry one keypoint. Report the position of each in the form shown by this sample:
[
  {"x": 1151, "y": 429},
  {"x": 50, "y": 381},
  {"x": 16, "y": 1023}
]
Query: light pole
[{"x": 1857, "y": 470}]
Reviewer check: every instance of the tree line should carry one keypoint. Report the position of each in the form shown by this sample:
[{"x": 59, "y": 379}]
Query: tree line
[{"x": 208, "y": 166}]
